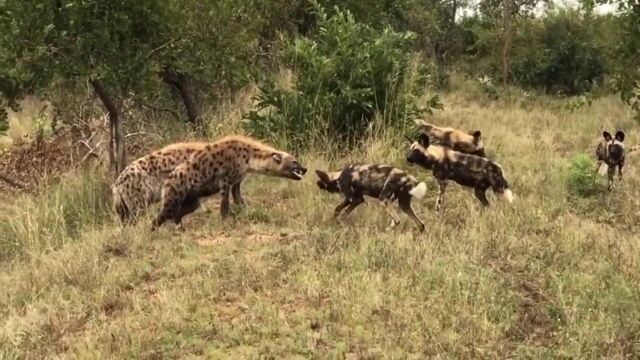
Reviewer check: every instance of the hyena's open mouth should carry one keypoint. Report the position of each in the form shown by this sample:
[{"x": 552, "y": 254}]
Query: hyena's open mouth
[{"x": 298, "y": 173}]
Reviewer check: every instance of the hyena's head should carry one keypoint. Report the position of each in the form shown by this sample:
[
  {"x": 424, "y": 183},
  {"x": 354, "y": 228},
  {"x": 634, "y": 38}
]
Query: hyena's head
[
  {"x": 328, "y": 181},
  {"x": 614, "y": 145},
  {"x": 419, "y": 152},
  {"x": 282, "y": 164}
]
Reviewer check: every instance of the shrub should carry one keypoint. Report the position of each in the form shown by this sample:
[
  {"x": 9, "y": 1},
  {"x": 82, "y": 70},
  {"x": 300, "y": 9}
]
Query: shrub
[
  {"x": 558, "y": 55},
  {"x": 344, "y": 76},
  {"x": 583, "y": 180}
]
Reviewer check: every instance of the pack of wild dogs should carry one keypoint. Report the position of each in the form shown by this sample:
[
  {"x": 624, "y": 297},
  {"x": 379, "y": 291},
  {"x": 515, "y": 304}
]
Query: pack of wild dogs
[{"x": 181, "y": 175}]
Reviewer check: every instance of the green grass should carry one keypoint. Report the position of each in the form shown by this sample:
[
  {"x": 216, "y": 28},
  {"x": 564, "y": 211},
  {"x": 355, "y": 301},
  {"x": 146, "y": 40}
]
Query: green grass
[{"x": 548, "y": 277}]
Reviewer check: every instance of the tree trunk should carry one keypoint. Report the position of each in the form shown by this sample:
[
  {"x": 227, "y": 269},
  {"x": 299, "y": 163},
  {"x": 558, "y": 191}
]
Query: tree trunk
[
  {"x": 183, "y": 85},
  {"x": 117, "y": 153},
  {"x": 507, "y": 19}
]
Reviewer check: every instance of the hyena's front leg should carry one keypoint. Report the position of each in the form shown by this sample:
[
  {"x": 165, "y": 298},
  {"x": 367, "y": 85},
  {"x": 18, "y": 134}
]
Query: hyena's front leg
[
  {"x": 224, "y": 202},
  {"x": 237, "y": 195}
]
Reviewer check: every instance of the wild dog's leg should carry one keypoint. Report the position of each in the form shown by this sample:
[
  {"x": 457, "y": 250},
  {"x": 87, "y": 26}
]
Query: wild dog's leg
[
  {"x": 620, "y": 166},
  {"x": 611, "y": 172},
  {"x": 442, "y": 186},
  {"x": 189, "y": 205},
  {"x": 224, "y": 202},
  {"x": 355, "y": 201},
  {"x": 342, "y": 205},
  {"x": 405, "y": 205},
  {"x": 395, "y": 220},
  {"x": 237, "y": 195},
  {"x": 481, "y": 194}
]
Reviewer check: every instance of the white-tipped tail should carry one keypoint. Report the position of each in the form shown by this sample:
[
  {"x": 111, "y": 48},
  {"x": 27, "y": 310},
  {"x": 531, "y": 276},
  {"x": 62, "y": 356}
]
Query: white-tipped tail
[
  {"x": 602, "y": 170},
  {"x": 419, "y": 191},
  {"x": 508, "y": 195}
]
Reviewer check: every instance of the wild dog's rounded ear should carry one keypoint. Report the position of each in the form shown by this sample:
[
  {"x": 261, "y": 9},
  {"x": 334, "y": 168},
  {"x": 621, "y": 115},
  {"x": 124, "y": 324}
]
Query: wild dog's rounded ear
[
  {"x": 476, "y": 134},
  {"x": 323, "y": 176},
  {"x": 321, "y": 184},
  {"x": 424, "y": 140},
  {"x": 606, "y": 135},
  {"x": 620, "y": 136},
  {"x": 277, "y": 157}
]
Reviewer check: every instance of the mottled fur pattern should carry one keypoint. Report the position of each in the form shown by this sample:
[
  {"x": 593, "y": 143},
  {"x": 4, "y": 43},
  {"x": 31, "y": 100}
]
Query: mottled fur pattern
[
  {"x": 611, "y": 151},
  {"x": 220, "y": 167},
  {"x": 140, "y": 183},
  {"x": 467, "y": 170},
  {"x": 468, "y": 143},
  {"x": 382, "y": 182}
]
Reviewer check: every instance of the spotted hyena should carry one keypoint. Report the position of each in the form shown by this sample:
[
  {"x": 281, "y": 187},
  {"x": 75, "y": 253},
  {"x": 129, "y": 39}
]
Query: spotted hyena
[
  {"x": 382, "y": 182},
  {"x": 139, "y": 184},
  {"x": 468, "y": 143},
  {"x": 220, "y": 167},
  {"x": 467, "y": 170},
  {"x": 611, "y": 152}
]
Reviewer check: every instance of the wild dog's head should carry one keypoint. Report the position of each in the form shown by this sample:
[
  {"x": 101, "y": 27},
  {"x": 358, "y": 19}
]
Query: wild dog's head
[
  {"x": 328, "y": 181},
  {"x": 282, "y": 164},
  {"x": 422, "y": 153},
  {"x": 613, "y": 146},
  {"x": 478, "y": 144}
]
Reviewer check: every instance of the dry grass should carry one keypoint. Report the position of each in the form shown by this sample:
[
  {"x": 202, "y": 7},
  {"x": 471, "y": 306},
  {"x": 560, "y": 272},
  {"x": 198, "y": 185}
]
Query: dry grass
[{"x": 549, "y": 277}]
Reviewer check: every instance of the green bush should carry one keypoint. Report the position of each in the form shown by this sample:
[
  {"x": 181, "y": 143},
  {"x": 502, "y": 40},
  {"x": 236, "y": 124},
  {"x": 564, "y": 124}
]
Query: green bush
[
  {"x": 583, "y": 180},
  {"x": 344, "y": 76},
  {"x": 558, "y": 54}
]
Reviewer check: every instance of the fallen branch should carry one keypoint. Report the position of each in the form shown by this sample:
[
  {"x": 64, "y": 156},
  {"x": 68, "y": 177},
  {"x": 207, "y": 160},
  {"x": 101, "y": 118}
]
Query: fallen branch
[{"x": 11, "y": 181}]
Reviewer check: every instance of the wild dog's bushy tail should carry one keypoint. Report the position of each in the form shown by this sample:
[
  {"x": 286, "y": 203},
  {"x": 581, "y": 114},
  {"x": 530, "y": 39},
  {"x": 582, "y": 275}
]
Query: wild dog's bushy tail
[{"x": 419, "y": 191}]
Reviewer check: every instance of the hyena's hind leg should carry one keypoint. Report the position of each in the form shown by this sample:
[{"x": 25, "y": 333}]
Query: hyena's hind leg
[
  {"x": 405, "y": 205},
  {"x": 237, "y": 195}
]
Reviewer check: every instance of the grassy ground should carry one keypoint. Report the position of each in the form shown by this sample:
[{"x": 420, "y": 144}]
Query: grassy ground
[{"x": 551, "y": 276}]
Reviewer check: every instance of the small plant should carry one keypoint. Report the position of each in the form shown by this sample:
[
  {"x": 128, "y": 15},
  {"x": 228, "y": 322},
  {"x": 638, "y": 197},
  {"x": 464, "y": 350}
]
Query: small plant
[{"x": 583, "y": 180}]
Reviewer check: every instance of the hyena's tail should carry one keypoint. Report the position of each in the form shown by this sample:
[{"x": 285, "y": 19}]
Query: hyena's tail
[
  {"x": 419, "y": 191},
  {"x": 120, "y": 203}
]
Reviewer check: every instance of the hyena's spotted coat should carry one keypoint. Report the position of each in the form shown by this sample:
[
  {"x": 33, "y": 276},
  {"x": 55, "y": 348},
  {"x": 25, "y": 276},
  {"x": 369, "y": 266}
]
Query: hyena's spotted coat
[
  {"x": 382, "y": 182},
  {"x": 467, "y": 170},
  {"x": 220, "y": 167},
  {"x": 140, "y": 183},
  {"x": 468, "y": 143}
]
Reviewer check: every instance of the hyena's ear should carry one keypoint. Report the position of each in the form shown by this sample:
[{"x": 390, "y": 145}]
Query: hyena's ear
[
  {"x": 277, "y": 157},
  {"x": 424, "y": 140},
  {"x": 324, "y": 177},
  {"x": 620, "y": 136},
  {"x": 606, "y": 135}
]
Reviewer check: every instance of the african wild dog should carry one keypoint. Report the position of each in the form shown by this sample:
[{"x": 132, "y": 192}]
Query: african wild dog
[
  {"x": 468, "y": 143},
  {"x": 220, "y": 167},
  {"x": 467, "y": 170},
  {"x": 382, "y": 182},
  {"x": 140, "y": 183},
  {"x": 611, "y": 151}
]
